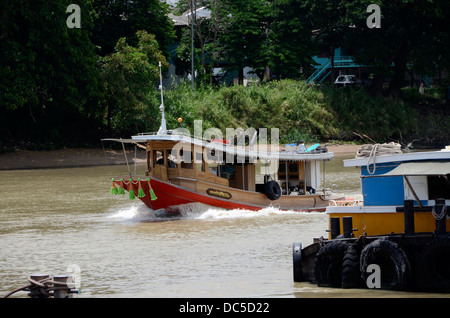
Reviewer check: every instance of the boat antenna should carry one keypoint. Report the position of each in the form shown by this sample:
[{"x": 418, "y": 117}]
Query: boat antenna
[{"x": 162, "y": 129}]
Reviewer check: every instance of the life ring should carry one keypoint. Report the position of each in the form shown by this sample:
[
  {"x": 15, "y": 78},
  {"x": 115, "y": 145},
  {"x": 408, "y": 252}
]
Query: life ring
[
  {"x": 328, "y": 264},
  {"x": 272, "y": 190},
  {"x": 436, "y": 261},
  {"x": 395, "y": 268}
]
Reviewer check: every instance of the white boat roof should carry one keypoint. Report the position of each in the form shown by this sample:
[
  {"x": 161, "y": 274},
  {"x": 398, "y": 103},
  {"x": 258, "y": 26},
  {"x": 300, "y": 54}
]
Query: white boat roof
[
  {"x": 426, "y": 168},
  {"x": 264, "y": 154},
  {"x": 404, "y": 157}
]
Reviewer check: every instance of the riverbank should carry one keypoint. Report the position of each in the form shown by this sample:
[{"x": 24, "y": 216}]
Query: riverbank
[
  {"x": 79, "y": 157},
  {"x": 65, "y": 158}
]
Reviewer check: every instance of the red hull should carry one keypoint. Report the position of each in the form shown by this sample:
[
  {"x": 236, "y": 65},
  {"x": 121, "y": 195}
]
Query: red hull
[{"x": 169, "y": 196}]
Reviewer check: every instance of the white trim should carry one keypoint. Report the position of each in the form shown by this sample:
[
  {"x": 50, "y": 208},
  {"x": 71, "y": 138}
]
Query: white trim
[
  {"x": 362, "y": 209},
  {"x": 427, "y": 155}
]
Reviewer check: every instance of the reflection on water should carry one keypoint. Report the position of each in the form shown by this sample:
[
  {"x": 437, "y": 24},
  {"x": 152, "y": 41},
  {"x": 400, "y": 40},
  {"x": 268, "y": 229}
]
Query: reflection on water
[{"x": 51, "y": 219}]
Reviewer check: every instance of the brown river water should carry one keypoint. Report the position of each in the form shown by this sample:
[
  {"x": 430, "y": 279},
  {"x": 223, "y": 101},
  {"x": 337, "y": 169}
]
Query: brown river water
[{"x": 52, "y": 220}]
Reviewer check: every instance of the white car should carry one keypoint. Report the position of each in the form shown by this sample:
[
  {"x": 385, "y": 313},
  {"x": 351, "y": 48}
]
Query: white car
[{"x": 346, "y": 80}]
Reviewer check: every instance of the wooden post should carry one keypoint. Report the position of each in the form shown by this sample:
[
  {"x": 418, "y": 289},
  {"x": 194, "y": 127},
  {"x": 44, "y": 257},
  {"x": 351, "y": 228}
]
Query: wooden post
[{"x": 412, "y": 191}]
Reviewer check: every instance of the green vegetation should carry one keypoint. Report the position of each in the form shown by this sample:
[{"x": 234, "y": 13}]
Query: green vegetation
[
  {"x": 301, "y": 112},
  {"x": 127, "y": 76},
  {"x": 297, "y": 110},
  {"x": 63, "y": 87}
]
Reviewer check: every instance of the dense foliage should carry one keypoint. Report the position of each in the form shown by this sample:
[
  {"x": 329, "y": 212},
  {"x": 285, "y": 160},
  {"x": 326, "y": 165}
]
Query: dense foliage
[
  {"x": 62, "y": 86},
  {"x": 301, "y": 112}
]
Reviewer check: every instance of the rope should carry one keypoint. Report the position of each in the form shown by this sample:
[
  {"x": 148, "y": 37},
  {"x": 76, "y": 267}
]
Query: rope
[
  {"x": 372, "y": 151},
  {"x": 439, "y": 216},
  {"x": 18, "y": 290},
  {"x": 41, "y": 287}
]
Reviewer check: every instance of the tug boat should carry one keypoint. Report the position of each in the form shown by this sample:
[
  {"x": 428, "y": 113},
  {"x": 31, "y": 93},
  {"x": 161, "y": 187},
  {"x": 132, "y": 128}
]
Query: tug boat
[{"x": 399, "y": 228}]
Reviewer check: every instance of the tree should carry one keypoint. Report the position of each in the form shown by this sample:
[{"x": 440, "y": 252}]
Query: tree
[
  {"x": 289, "y": 39},
  {"x": 246, "y": 41},
  {"x": 128, "y": 78},
  {"x": 47, "y": 70},
  {"x": 260, "y": 34},
  {"x": 123, "y": 18},
  {"x": 207, "y": 29},
  {"x": 408, "y": 29}
]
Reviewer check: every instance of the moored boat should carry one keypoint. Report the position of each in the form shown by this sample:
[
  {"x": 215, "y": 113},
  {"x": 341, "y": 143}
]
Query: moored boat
[
  {"x": 387, "y": 181},
  {"x": 396, "y": 237}
]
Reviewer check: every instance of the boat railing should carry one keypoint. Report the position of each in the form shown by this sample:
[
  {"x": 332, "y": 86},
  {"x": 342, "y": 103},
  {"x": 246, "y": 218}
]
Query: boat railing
[
  {"x": 262, "y": 151},
  {"x": 350, "y": 202},
  {"x": 170, "y": 132}
]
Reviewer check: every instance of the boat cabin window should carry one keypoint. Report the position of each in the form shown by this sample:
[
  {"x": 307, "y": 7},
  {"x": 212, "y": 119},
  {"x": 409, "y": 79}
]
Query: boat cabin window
[
  {"x": 171, "y": 160},
  {"x": 229, "y": 172},
  {"x": 158, "y": 158},
  {"x": 186, "y": 159},
  {"x": 214, "y": 169},
  {"x": 438, "y": 187},
  {"x": 200, "y": 164},
  {"x": 292, "y": 177}
]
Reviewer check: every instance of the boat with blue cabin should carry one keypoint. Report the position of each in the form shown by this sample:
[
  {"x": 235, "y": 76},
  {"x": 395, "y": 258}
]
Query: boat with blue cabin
[
  {"x": 399, "y": 226},
  {"x": 390, "y": 179}
]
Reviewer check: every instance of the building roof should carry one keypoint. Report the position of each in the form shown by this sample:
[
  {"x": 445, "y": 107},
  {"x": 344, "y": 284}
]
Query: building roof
[
  {"x": 179, "y": 19},
  {"x": 184, "y": 19}
]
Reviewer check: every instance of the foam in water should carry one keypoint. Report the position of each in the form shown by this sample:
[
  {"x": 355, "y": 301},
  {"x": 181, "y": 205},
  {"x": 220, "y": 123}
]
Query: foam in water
[
  {"x": 195, "y": 210},
  {"x": 132, "y": 212}
]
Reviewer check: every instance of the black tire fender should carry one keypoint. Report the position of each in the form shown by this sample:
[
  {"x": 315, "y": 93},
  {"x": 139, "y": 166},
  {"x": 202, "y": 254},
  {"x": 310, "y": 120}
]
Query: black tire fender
[
  {"x": 351, "y": 275},
  {"x": 436, "y": 261},
  {"x": 395, "y": 268},
  {"x": 272, "y": 190},
  {"x": 328, "y": 264},
  {"x": 297, "y": 262}
]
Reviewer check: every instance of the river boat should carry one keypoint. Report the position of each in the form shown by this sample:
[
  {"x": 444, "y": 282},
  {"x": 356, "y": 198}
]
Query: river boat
[
  {"x": 226, "y": 173},
  {"x": 182, "y": 169},
  {"x": 398, "y": 229}
]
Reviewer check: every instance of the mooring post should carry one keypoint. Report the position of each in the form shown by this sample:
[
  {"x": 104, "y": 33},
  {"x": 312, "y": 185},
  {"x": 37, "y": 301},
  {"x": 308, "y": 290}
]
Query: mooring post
[
  {"x": 62, "y": 290},
  {"x": 335, "y": 227},
  {"x": 441, "y": 218},
  {"x": 409, "y": 216},
  {"x": 35, "y": 288},
  {"x": 347, "y": 224}
]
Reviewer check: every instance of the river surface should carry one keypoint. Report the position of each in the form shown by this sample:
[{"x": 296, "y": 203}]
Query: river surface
[{"x": 53, "y": 221}]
